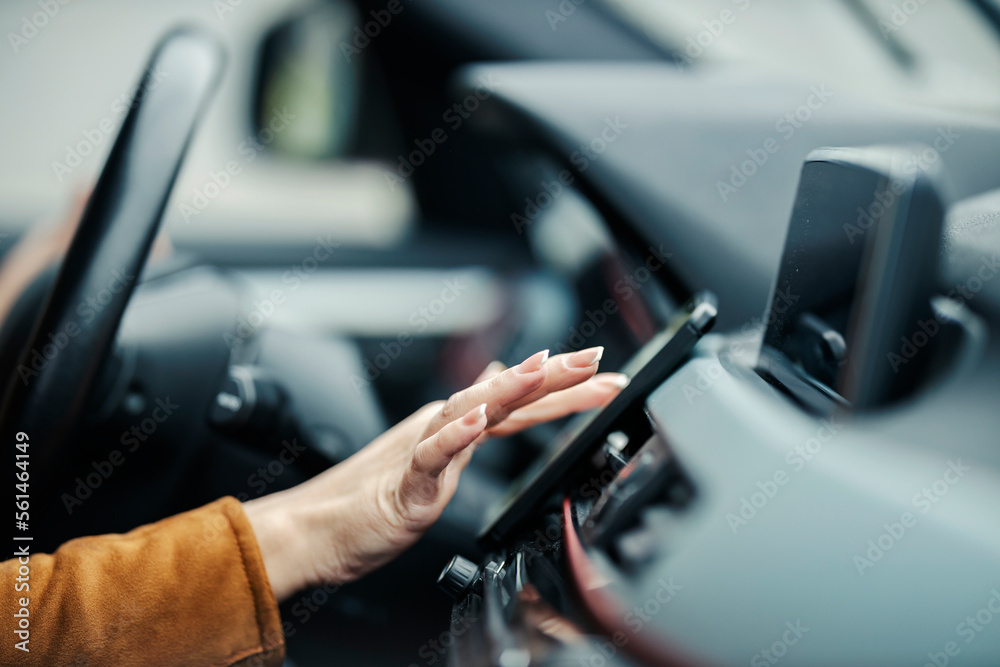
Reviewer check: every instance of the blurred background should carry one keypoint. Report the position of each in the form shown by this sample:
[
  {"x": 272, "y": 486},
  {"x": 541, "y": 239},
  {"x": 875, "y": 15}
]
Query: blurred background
[
  {"x": 356, "y": 109},
  {"x": 355, "y": 103},
  {"x": 310, "y": 142}
]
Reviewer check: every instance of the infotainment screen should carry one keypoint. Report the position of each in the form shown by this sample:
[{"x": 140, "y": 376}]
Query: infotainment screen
[
  {"x": 856, "y": 277},
  {"x": 647, "y": 369}
]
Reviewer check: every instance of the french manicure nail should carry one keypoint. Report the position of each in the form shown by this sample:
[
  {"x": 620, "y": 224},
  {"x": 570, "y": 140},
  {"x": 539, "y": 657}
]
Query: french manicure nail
[
  {"x": 534, "y": 363},
  {"x": 619, "y": 380},
  {"x": 474, "y": 415},
  {"x": 585, "y": 358},
  {"x": 494, "y": 368}
]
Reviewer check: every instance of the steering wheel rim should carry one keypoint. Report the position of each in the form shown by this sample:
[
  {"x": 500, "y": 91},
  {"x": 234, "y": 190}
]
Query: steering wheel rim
[{"x": 74, "y": 333}]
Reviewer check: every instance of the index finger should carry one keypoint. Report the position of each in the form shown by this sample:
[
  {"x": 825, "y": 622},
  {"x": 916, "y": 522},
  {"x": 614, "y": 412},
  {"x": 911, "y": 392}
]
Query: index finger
[{"x": 499, "y": 392}]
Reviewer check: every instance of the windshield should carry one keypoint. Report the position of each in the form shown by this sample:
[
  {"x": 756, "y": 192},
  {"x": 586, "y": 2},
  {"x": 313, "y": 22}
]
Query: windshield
[{"x": 919, "y": 51}]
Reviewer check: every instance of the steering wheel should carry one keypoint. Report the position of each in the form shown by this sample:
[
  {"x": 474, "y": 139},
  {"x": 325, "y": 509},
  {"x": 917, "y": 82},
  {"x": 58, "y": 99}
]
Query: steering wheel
[{"x": 70, "y": 342}]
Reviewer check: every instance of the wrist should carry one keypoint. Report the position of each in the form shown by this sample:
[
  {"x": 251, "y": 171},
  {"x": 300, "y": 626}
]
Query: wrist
[{"x": 281, "y": 538}]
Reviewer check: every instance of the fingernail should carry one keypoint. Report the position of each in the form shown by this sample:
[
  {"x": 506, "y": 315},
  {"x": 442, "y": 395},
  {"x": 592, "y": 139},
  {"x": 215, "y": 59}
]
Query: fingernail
[
  {"x": 585, "y": 358},
  {"x": 474, "y": 415},
  {"x": 534, "y": 363},
  {"x": 494, "y": 368},
  {"x": 618, "y": 380}
]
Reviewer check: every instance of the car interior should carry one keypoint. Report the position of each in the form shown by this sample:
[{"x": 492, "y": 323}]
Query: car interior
[{"x": 781, "y": 220}]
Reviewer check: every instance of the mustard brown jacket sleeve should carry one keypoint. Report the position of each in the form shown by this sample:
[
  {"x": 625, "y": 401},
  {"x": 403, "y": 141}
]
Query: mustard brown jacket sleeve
[{"x": 188, "y": 590}]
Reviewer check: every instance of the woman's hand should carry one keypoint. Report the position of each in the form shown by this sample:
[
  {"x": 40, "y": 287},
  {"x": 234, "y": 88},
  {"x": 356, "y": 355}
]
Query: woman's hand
[{"x": 364, "y": 512}]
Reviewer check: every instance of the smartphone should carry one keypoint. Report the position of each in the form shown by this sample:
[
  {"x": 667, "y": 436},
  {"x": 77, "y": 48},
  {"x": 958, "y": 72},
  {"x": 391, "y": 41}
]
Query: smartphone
[{"x": 647, "y": 370}]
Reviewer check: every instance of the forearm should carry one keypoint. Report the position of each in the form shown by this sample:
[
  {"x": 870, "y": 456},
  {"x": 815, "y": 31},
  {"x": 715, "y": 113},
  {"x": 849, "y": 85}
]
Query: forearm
[{"x": 191, "y": 589}]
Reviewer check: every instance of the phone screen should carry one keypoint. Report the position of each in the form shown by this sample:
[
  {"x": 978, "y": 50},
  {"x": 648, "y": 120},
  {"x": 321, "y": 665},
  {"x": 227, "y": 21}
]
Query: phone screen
[{"x": 647, "y": 369}]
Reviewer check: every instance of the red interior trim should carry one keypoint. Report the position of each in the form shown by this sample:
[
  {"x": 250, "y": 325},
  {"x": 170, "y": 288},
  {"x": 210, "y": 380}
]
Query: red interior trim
[{"x": 607, "y": 612}]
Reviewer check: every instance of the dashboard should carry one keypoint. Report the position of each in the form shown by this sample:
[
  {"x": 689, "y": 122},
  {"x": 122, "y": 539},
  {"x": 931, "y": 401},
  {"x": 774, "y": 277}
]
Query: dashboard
[{"x": 733, "y": 520}]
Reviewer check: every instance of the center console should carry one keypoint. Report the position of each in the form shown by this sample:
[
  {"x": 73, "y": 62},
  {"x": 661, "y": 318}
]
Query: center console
[{"x": 817, "y": 486}]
